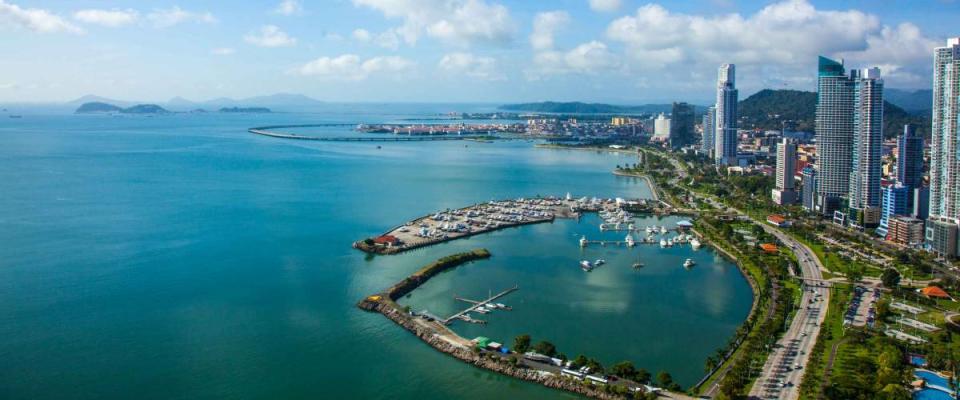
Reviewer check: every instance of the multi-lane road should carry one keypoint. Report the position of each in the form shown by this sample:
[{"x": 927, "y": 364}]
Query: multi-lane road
[
  {"x": 784, "y": 368},
  {"x": 783, "y": 371}
]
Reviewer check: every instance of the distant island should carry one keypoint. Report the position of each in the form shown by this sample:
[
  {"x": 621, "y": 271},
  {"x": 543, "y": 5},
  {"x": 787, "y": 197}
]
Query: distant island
[
  {"x": 576, "y": 107},
  {"x": 245, "y": 110},
  {"x": 99, "y": 107}
]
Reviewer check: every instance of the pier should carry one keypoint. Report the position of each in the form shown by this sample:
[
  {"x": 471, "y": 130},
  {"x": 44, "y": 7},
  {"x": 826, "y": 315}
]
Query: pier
[
  {"x": 478, "y": 304},
  {"x": 264, "y": 132}
]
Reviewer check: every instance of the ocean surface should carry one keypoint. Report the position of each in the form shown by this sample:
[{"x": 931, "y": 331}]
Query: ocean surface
[{"x": 180, "y": 257}]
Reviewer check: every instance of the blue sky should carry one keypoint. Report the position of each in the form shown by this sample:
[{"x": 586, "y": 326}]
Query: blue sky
[{"x": 620, "y": 51}]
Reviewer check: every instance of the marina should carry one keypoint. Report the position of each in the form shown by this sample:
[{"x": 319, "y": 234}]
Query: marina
[
  {"x": 480, "y": 218},
  {"x": 479, "y": 305}
]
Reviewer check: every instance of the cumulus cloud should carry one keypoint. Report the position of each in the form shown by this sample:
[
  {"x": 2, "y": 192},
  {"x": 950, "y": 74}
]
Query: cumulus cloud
[
  {"x": 289, "y": 7},
  {"x": 588, "y": 58},
  {"x": 783, "y": 39},
  {"x": 605, "y": 5},
  {"x": 108, "y": 18},
  {"x": 545, "y": 26},
  {"x": 387, "y": 39},
  {"x": 222, "y": 51},
  {"x": 352, "y": 67},
  {"x": 362, "y": 35},
  {"x": 456, "y": 22},
  {"x": 471, "y": 65},
  {"x": 270, "y": 36},
  {"x": 164, "y": 18},
  {"x": 34, "y": 19}
]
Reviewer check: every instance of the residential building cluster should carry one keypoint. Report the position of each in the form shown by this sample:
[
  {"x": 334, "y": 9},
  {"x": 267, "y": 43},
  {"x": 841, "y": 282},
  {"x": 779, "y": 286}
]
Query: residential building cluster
[{"x": 853, "y": 177}]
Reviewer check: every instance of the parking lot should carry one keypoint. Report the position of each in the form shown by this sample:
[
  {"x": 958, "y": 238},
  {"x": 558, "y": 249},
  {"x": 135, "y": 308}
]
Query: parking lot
[{"x": 862, "y": 309}]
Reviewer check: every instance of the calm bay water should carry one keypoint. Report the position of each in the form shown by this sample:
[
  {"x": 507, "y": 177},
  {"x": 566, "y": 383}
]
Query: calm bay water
[{"x": 182, "y": 257}]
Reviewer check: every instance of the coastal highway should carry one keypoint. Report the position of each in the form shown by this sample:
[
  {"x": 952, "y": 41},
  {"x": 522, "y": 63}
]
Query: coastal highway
[
  {"x": 784, "y": 368},
  {"x": 783, "y": 371}
]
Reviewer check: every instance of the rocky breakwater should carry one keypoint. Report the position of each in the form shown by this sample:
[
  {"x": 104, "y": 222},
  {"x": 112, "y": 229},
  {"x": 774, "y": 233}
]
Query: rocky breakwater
[{"x": 445, "y": 340}]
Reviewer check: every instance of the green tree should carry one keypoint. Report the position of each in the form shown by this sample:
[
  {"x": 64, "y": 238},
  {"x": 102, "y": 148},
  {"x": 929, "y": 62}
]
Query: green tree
[
  {"x": 664, "y": 379},
  {"x": 521, "y": 343},
  {"x": 595, "y": 366},
  {"x": 579, "y": 361},
  {"x": 624, "y": 369},
  {"x": 642, "y": 376},
  {"x": 855, "y": 273},
  {"x": 546, "y": 348},
  {"x": 890, "y": 278}
]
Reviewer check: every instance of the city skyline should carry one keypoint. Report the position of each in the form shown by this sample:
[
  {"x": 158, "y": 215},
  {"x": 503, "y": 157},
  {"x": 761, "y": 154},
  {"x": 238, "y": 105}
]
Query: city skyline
[{"x": 471, "y": 50}]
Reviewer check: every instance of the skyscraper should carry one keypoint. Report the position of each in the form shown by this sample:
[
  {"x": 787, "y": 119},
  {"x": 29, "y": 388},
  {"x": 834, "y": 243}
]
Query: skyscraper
[
  {"x": 865, "y": 171},
  {"x": 809, "y": 190},
  {"x": 709, "y": 131},
  {"x": 725, "y": 141},
  {"x": 784, "y": 192},
  {"x": 681, "y": 125},
  {"x": 944, "y": 209},
  {"x": 910, "y": 158},
  {"x": 894, "y": 202},
  {"x": 834, "y": 132},
  {"x": 661, "y": 128}
]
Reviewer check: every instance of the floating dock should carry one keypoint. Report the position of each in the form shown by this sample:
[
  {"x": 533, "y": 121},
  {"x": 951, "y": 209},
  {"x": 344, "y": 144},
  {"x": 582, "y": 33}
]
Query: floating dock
[{"x": 478, "y": 304}]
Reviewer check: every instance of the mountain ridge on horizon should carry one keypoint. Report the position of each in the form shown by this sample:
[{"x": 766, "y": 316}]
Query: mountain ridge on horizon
[{"x": 184, "y": 104}]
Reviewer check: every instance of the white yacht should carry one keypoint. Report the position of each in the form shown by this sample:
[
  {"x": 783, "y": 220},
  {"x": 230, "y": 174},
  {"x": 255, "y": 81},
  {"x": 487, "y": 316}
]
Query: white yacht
[
  {"x": 695, "y": 243},
  {"x": 583, "y": 241},
  {"x": 689, "y": 263},
  {"x": 630, "y": 241},
  {"x": 586, "y": 266},
  {"x": 663, "y": 230},
  {"x": 663, "y": 243}
]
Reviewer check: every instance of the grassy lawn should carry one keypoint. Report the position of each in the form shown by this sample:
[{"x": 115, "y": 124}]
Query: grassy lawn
[{"x": 830, "y": 333}]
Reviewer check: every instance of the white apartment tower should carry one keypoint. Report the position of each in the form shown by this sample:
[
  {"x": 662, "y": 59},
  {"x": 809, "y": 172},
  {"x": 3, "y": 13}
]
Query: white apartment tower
[
  {"x": 941, "y": 230},
  {"x": 785, "y": 192},
  {"x": 865, "y": 172}
]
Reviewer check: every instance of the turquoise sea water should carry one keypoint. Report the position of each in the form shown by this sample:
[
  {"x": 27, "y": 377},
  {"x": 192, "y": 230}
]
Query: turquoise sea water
[{"x": 182, "y": 257}]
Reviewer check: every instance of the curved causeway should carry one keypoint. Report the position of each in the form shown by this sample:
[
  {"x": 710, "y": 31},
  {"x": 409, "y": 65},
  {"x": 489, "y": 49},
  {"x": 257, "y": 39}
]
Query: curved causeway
[{"x": 271, "y": 131}]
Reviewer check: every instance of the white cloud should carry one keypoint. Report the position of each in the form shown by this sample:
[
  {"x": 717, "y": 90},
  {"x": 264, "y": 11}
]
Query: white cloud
[
  {"x": 352, "y": 67},
  {"x": 362, "y": 35},
  {"x": 588, "y": 58},
  {"x": 289, "y": 7},
  {"x": 545, "y": 26},
  {"x": 270, "y": 36},
  {"x": 605, "y": 5},
  {"x": 387, "y": 39},
  {"x": 456, "y": 22},
  {"x": 34, "y": 19},
  {"x": 222, "y": 51},
  {"x": 780, "y": 41},
  {"x": 472, "y": 66},
  {"x": 108, "y": 18},
  {"x": 164, "y": 18}
]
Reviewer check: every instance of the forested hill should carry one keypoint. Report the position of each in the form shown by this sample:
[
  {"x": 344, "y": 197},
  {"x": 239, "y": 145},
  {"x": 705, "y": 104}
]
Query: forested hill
[{"x": 769, "y": 109}]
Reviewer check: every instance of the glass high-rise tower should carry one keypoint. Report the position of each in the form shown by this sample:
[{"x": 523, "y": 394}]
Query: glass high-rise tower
[
  {"x": 865, "y": 173},
  {"x": 709, "y": 131},
  {"x": 834, "y": 132},
  {"x": 941, "y": 234},
  {"x": 725, "y": 141}
]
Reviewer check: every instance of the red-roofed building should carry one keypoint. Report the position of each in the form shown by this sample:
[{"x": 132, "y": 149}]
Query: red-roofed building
[
  {"x": 933, "y": 291},
  {"x": 770, "y": 248},
  {"x": 777, "y": 220},
  {"x": 386, "y": 240}
]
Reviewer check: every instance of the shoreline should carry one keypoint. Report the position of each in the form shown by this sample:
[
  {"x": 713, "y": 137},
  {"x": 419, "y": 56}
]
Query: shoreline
[
  {"x": 448, "y": 342},
  {"x": 476, "y": 219}
]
